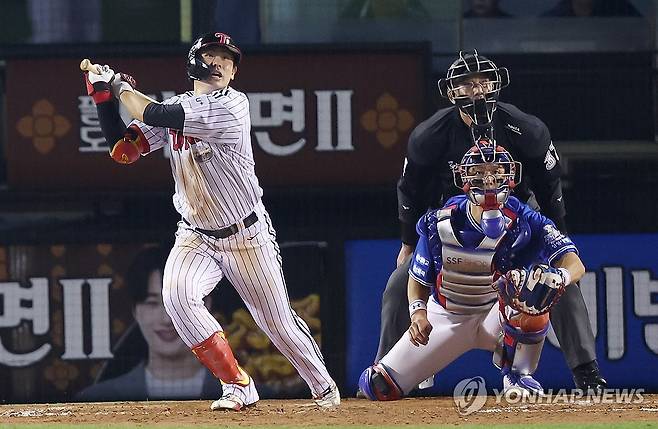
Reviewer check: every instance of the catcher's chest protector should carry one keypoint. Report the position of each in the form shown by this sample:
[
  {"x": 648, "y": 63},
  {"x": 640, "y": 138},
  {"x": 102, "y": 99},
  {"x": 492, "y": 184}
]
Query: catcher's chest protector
[{"x": 466, "y": 275}]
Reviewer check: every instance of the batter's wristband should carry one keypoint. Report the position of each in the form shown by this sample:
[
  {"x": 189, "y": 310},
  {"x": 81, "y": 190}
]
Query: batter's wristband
[
  {"x": 416, "y": 305},
  {"x": 102, "y": 96}
]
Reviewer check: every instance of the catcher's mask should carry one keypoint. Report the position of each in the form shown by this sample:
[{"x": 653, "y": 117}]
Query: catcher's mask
[
  {"x": 468, "y": 72},
  {"x": 487, "y": 173},
  {"x": 196, "y": 68}
]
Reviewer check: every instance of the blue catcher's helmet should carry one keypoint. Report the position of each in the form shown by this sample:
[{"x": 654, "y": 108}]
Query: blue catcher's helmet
[
  {"x": 196, "y": 68},
  {"x": 487, "y": 173},
  {"x": 458, "y": 85}
]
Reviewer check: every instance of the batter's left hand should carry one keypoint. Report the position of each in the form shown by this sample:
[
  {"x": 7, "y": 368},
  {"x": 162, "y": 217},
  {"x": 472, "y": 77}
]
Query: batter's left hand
[
  {"x": 99, "y": 86},
  {"x": 419, "y": 331}
]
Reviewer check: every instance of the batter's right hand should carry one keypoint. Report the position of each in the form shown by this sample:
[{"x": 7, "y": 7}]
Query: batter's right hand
[
  {"x": 405, "y": 251},
  {"x": 419, "y": 331},
  {"x": 99, "y": 86},
  {"x": 123, "y": 82}
]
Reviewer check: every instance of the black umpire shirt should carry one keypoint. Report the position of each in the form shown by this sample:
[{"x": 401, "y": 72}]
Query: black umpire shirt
[{"x": 443, "y": 139}]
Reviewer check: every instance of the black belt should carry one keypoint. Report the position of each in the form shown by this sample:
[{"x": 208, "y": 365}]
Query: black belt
[{"x": 229, "y": 230}]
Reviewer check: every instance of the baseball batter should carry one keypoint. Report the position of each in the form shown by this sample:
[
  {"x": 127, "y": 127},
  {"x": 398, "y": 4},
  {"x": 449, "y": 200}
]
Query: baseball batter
[
  {"x": 224, "y": 230},
  {"x": 484, "y": 274}
]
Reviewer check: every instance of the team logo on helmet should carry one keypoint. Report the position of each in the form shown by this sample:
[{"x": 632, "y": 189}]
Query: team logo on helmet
[{"x": 223, "y": 38}]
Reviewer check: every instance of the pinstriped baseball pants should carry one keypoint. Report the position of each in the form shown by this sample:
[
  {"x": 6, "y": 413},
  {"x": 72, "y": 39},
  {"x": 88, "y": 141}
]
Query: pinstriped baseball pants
[{"x": 251, "y": 261}]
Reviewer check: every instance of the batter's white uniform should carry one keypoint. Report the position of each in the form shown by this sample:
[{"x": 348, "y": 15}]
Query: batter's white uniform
[{"x": 216, "y": 187}]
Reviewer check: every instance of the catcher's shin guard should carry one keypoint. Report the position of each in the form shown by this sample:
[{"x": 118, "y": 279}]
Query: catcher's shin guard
[
  {"x": 377, "y": 385},
  {"x": 215, "y": 354},
  {"x": 519, "y": 350}
]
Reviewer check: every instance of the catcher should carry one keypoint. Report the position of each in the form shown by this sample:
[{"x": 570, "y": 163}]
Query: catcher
[{"x": 484, "y": 274}]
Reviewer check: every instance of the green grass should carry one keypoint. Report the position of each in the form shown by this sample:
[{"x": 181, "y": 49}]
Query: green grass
[{"x": 627, "y": 425}]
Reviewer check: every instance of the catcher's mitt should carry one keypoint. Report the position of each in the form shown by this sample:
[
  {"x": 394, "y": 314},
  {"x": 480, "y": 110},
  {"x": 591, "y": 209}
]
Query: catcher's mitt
[{"x": 533, "y": 291}]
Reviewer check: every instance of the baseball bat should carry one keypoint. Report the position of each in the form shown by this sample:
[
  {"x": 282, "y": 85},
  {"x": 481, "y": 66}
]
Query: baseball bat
[{"x": 87, "y": 66}]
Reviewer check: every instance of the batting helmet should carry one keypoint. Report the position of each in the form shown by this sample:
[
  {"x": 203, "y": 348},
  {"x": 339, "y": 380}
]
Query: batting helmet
[
  {"x": 196, "y": 68},
  {"x": 456, "y": 84}
]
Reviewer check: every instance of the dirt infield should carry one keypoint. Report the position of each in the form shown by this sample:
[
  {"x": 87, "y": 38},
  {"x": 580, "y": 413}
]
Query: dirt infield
[{"x": 418, "y": 411}]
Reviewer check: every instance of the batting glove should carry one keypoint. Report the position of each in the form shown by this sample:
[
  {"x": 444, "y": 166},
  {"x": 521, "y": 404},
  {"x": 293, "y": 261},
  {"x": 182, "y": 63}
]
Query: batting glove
[
  {"x": 123, "y": 82},
  {"x": 99, "y": 86}
]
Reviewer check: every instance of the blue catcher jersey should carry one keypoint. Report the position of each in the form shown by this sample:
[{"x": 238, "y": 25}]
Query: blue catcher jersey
[{"x": 456, "y": 259}]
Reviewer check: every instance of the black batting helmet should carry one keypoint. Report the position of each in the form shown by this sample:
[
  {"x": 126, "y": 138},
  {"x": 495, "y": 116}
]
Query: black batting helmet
[
  {"x": 196, "y": 68},
  {"x": 453, "y": 85}
]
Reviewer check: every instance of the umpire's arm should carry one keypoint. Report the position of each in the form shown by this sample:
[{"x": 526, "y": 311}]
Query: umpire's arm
[
  {"x": 542, "y": 165},
  {"x": 413, "y": 198}
]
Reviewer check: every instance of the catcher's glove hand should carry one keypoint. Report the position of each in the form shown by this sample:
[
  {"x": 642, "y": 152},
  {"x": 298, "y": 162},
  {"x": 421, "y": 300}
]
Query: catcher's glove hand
[{"x": 532, "y": 291}]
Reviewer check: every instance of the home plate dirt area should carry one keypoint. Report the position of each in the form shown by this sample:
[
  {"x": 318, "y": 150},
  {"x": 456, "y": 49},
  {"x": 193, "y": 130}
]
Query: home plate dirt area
[{"x": 352, "y": 412}]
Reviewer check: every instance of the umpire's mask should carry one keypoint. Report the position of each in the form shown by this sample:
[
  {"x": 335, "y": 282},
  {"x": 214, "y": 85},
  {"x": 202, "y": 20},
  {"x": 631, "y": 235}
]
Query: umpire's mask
[{"x": 473, "y": 83}]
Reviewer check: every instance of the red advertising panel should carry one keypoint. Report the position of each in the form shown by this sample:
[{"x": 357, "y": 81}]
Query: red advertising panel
[{"x": 318, "y": 118}]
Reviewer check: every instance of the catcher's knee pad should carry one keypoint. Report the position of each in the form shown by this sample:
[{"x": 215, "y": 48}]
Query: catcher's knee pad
[
  {"x": 518, "y": 350},
  {"x": 377, "y": 385}
]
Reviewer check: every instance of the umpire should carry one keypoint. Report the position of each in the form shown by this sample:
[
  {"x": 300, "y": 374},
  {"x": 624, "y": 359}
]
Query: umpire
[{"x": 472, "y": 84}]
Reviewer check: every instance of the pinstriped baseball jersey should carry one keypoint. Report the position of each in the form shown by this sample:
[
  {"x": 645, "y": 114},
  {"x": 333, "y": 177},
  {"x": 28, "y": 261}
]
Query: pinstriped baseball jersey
[{"x": 211, "y": 160}]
